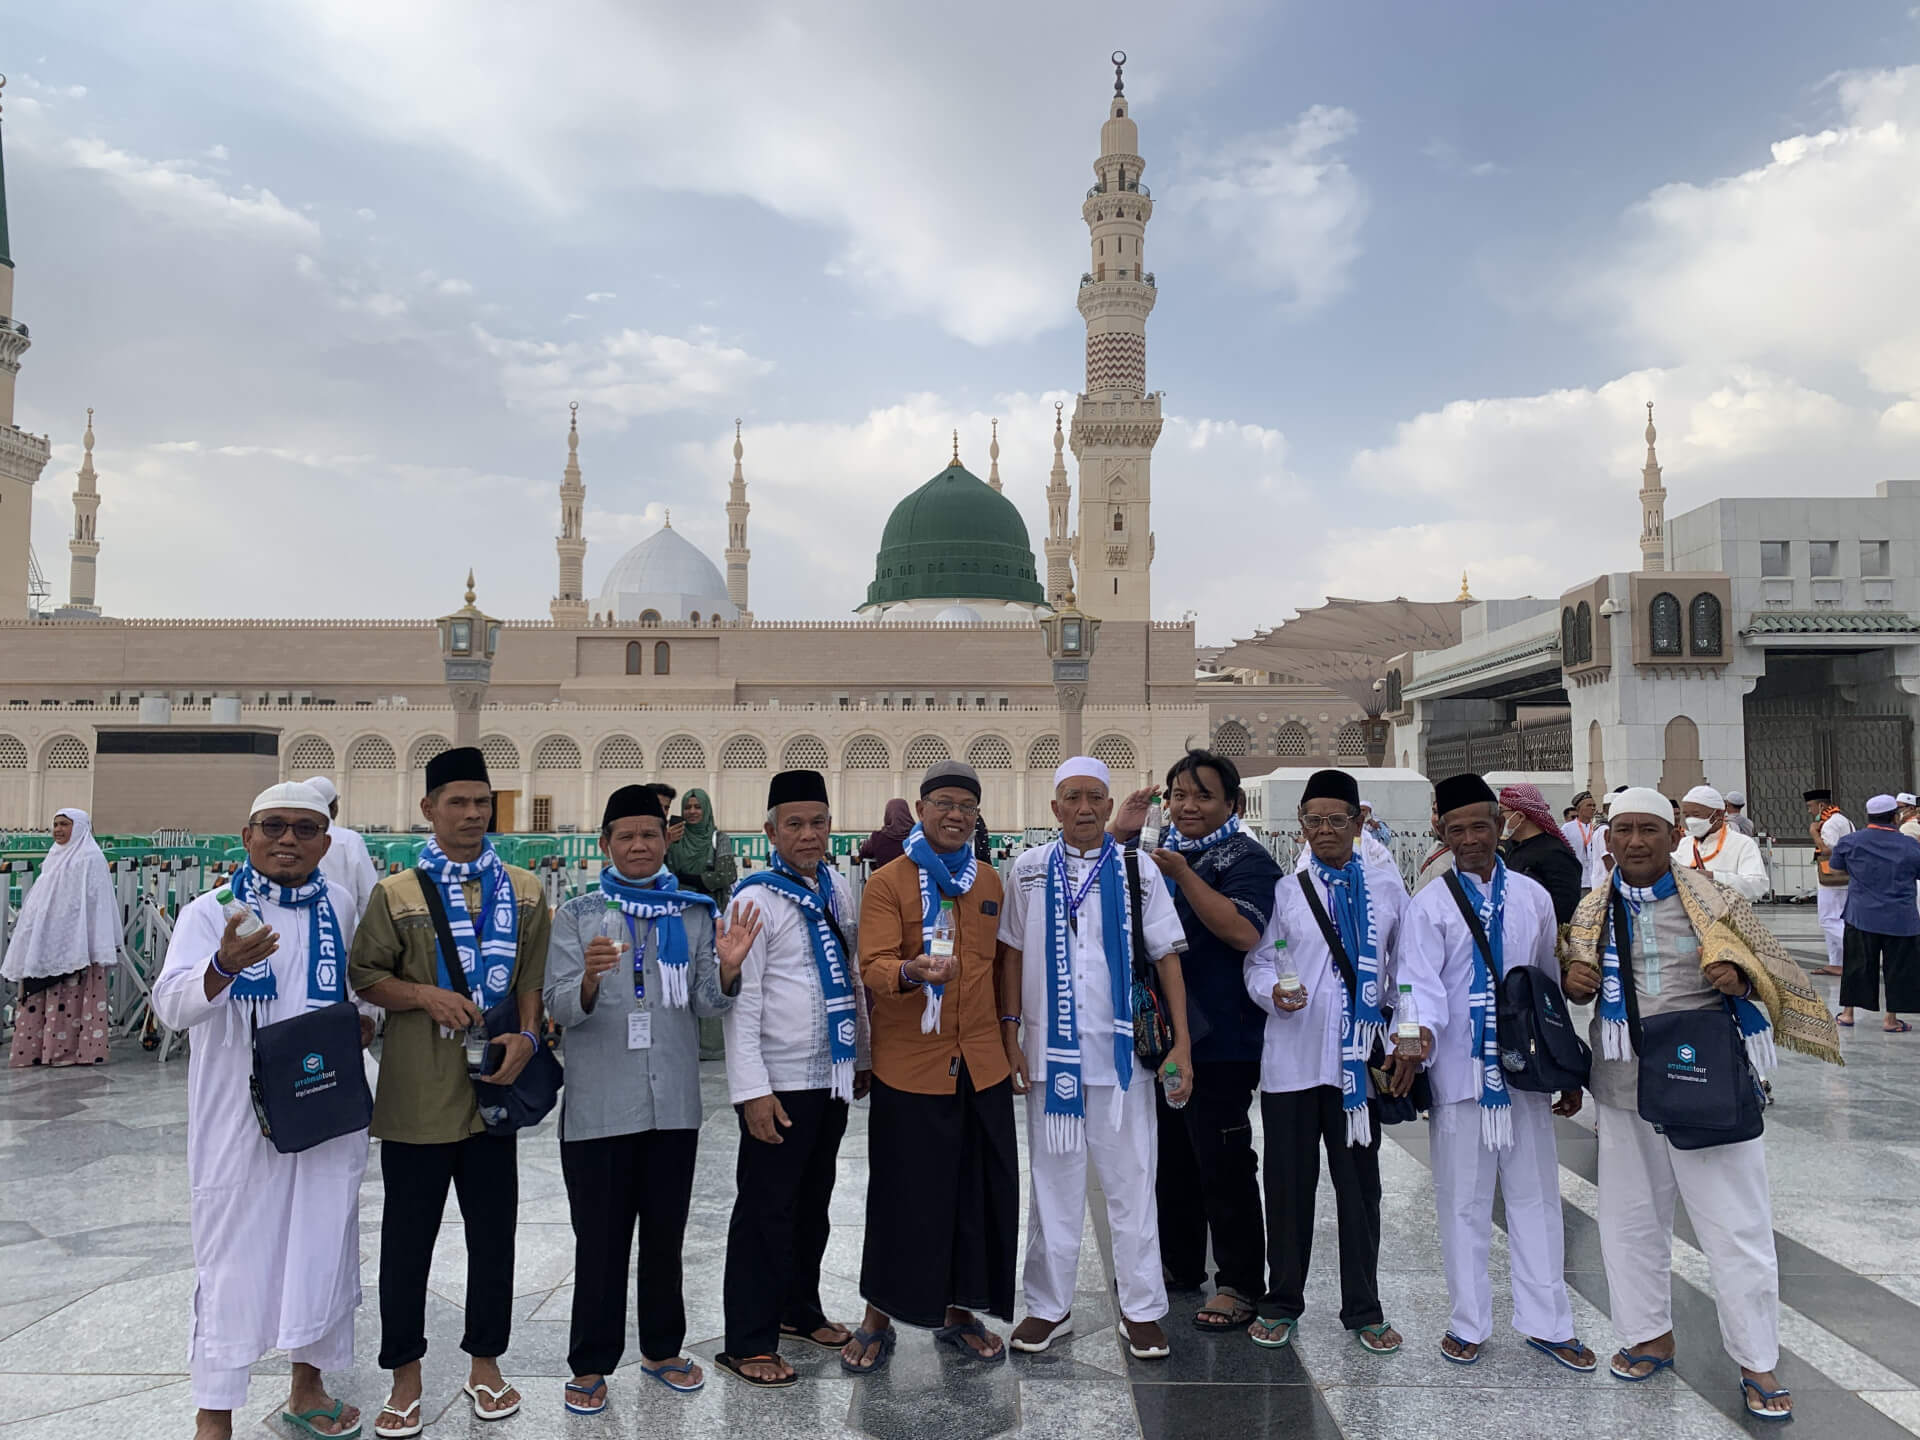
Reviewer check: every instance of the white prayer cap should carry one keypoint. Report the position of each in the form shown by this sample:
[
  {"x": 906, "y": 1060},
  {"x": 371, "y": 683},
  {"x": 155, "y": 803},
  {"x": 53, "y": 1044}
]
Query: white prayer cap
[
  {"x": 289, "y": 795},
  {"x": 1082, "y": 766},
  {"x": 1705, "y": 795},
  {"x": 1907, "y": 799},
  {"x": 1365, "y": 804},
  {"x": 1882, "y": 805},
  {"x": 1642, "y": 800},
  {"x": 324, "y": 786},
  {"x": 1737, "y": 797}
]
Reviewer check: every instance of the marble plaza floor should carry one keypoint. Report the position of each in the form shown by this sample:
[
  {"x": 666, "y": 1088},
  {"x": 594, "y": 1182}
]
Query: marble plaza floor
[{"x": 96, "y": 1276}]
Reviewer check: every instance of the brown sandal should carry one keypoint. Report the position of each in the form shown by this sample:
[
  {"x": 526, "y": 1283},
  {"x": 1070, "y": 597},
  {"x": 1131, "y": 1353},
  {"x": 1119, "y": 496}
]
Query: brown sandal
[{"x": 1215, "y": 1321}]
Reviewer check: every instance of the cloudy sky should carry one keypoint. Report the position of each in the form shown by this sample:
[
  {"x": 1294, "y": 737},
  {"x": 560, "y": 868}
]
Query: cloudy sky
[{"x": 331, "y": 271}]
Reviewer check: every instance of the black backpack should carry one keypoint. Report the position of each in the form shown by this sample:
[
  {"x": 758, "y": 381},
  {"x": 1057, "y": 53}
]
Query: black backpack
[{"x": 1540, "y": 1051}]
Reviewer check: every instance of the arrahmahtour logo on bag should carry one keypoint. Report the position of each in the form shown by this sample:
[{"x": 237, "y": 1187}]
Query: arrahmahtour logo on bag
[
  {"x": 1684, "y": 1067},
  {"x": 315, "y": 1076}
]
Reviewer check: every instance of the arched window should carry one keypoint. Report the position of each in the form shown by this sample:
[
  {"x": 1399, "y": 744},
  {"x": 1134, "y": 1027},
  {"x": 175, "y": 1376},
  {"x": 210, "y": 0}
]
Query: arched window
[
  {"x": 556, "y": 752},
  {"x": 308, "y": 754},
  {"x": 1351, "y": 742},
  {"x": 1113, "y": 751},
  {"x": 1044, "y": 753},
  {"x": 13, "y": 754},
  {"x": 1682, "y": 770},
  {"x": 649, "y": 617},
  {"x": 370, "y": 752},
  {"x": 1395, "y": 698},
  {"x": 804, "y": 752},
  {"x": 67, "y": 753},
  {"x": 990, "y": 752},
  {"x": 694, "y": 618},
  {"x": 866, "y": 752},
  {"x": 1291, "y": 739},
  {"x": 620, "y": 752},
  {"x": 1663, "y": 624},
  {"x": 743, "y": 752},
  {"x": 1583, "y": 632},
  {"x": 1230, "y": 738},
  {"x": 682, "y": 752},
  {"x": 425, "y": 749},
  {"x": 633, "y": 657},
  {"x": 662, "y": 658},
  {"x": 1119, "y": 520},
  {"x": 1703, "y": 624},
  {"x": 1569, "y": 643},
  {"x": 500, "y": 753},
  {"x": 927, "y": 750}
]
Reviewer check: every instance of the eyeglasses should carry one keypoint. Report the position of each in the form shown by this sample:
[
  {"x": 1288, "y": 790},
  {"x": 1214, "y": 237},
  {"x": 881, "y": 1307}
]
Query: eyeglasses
[
  {"x": 1335, "y": 823},
  {"x": 965, "y": 809},
  {"x": 305, "y": 831}
]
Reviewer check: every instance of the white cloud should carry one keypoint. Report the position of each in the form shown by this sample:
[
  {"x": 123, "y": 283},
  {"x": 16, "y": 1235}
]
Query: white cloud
[
  {"x": 1447, "y": 156},
  {"x": 216, "y": 153},
  {"x": 453, "y": 285},
  {"x": 364, "y": 213},
  {"x": 621, "y": 375},
  {"x": 599, "y": 297},
  {"x": 1283, "y": 205}
]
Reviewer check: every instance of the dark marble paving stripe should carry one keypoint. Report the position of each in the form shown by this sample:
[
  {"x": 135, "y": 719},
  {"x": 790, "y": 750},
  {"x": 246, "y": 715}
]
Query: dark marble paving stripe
[
  {"x": 1177, "y": 1412},
  {"x": 1701, "y": 1362},
  {"x": 1869, "y": 1317}
]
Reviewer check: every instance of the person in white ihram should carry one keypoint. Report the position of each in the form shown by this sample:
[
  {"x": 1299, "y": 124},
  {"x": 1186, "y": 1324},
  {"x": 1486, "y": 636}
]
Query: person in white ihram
[
  {"x": 276, "y": 1238},
  {"x": 1711, "y": 844},
  {"x": 347, "y": 862},
  {"x": 64, "y": 945}
]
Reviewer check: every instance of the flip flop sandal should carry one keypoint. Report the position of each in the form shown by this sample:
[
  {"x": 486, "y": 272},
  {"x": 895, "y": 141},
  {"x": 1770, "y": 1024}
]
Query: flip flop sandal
[
  {"x": 674, "y": 1367},
  {"x": 585, "y": 1405},
  {"x": 1843, "y": 1024},
  {"x": 1552, "y": 1352},
  {"x": 1760, "y": 1411},
  {"x": 1453, "y": 1359},
  {"x": 1900, "y": 1028},
  {"x": 1214, "y": 1321},
  {"x": 733, "y": 1365},
  {"x": 1659, "y": 1363},
  {"x": 1282, "y": 1329},
  {"x": 406, "y": 1427},
  {"x": 305, "y": 1418},
  {"x": 1363, "y": 1333},
  {"x": 788, "y": 1332},
  {"x": 888, "y": 1338},
  {"x": 474, "y": 1391},
  {"x": 956, "y": 1336}
]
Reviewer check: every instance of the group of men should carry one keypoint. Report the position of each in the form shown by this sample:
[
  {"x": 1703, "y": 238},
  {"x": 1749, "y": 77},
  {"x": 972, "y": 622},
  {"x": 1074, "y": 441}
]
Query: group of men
[{"x": 949, "y": 996}]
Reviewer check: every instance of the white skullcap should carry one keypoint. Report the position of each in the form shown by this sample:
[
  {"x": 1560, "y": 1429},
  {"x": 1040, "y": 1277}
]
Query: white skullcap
[
  {"x": 1705, "y": 795},
  {"x": 1082, "y": 765},
  {"x": 324, "y": 786},
  {"x": 1737, "y": 797},
  {"x": 1642, "y": 800},
  {"x": 1907, "y": 799},
  {"x": 1882, "y": 804},
  {"x": 1365, "y": 804},
  {"x": 289, "y": 795}
]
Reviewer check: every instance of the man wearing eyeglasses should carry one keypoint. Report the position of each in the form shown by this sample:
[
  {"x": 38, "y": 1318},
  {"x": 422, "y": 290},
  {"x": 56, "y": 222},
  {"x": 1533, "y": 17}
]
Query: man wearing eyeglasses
[{"x": 943, "y": 1188}]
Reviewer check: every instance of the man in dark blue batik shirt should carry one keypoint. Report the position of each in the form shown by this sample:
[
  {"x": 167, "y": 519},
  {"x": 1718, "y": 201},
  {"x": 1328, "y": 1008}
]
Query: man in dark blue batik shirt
[{"x": 1882, "y": 867}]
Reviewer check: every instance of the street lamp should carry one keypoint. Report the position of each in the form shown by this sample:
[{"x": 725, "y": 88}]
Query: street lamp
[
  {"x": 1070, "y": 638},
  {"x": 468, "y": 640}
]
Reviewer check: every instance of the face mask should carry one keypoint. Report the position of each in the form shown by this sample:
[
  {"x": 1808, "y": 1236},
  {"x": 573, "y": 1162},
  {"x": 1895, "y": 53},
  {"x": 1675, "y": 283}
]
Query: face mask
[{"x": 1698, "y": 827}]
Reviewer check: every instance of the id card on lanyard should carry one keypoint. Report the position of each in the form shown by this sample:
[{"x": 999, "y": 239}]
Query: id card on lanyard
[{"x": 640, "y": 1018}]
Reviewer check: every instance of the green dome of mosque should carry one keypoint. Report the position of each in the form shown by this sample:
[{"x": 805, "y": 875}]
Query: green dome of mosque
[{"x": 955, "y": 537}]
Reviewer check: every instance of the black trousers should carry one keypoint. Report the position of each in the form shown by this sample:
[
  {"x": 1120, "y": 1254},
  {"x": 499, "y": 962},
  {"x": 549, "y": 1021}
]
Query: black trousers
[
  {"x": 1226, "y": 1172},
  {"x": 1864, "y": 955},
  {"x": 779, "y": 1228},
  {"x": 943, "y": 1202},
  {"x": 485, "y": 1175},
  {"x": 1179, "y": 1201},
  {"x": 614, "y": 1184},
  {"x": 1297, "y": 1124}
]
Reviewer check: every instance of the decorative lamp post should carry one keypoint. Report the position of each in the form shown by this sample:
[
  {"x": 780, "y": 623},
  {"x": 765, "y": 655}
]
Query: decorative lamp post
[
  {"x": 1070, "y": 638},
  {"x": 468, "y": 639}
]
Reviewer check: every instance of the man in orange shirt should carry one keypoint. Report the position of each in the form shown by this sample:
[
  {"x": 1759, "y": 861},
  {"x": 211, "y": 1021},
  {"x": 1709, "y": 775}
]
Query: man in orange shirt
[{"x": 943, "y": 1196}]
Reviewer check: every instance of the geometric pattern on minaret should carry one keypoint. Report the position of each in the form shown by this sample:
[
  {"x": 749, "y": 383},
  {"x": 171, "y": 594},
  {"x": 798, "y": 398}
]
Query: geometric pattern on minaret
[
  {"x": 22, "y": 456},
  {"x": 569, "y": 606},
  {"x": 1116, "y": 422},
  {"x": 1059, "y": 509},
  {"x": 738, "y": 554},
  {"x": 1653, "y": 507},
  {"x": 85, "y": 544}
]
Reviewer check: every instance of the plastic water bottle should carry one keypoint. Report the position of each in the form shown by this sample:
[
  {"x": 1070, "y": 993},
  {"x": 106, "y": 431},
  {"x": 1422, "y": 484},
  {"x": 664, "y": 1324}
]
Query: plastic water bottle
[
  {"x": 943, "y": 933},
  {"x": 1289, "y": 977},
  {"x": 230, "y": 907},
  {"x": 1155, "y": 827},
  {"x": 1172, "y": 1072},
  {"x": 1406, "y": 1024},
  {"x": 613, "y": 926}
]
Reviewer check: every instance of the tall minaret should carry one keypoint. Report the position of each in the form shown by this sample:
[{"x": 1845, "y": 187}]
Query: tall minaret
[
  {"x": 85, "y": 544},
  {"x": 570, "y": 605},
  {"x": 1653, "y": 508},
  {"x": 22, "y": 456},
  {"x": 1115, "y": 420},
  {"x": 993, "y": 457},
  {"x": 1059, "y": 541},
  {"x": 737, "y": 552}
]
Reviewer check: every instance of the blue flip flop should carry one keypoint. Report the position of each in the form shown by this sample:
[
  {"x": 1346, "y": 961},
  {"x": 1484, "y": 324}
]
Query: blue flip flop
[
  {"x": 1473, "y": 1359},
  {"x": 1659, "y": 1363},
  {"x": 585, "y": 1405},
  {"x": 677, "y": 1367},
  {"x": 1762, "y": 1395},
  {"x": 1552, "y": 1352},
  {"x": 956, "y": 1336},
  {"x": 888, "y": 1338}
]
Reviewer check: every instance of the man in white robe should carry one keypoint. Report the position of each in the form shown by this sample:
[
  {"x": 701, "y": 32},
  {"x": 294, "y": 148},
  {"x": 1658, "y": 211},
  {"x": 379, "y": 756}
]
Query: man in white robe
[
  {"x": 276, "y": 1238},
  {"x": 1481, "y": 1131},
  {"x": 1080, "y": 1106},
  {"x": 1828, "y": 828},
  {"x": 1713, "y": 845},
  {"x": 347, "y": 862},
  {"x": 1580, "y": 834}
]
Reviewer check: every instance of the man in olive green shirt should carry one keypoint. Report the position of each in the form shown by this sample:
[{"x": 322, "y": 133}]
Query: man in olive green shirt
[{"x": 424, "y": 1115}]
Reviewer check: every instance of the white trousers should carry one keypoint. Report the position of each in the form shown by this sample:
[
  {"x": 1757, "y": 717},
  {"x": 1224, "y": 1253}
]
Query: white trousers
[
  {"x": 1832, "y": 904},
  {"x": 218, "y": 1388},
  {"x": 1725, "y": 1190},
  {"x": 1464, "y": 1172},
  {"x": 1123, "y": 1157}
]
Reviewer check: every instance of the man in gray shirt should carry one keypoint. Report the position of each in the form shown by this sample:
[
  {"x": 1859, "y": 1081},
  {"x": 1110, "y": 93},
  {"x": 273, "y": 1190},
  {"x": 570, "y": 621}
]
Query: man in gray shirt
[{"x": 631, "y": 968}]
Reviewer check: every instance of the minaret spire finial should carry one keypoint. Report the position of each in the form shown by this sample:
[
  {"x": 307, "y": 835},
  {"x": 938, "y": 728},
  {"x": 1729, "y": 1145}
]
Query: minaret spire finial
[
  {"x": 569, "y": 604},
  {"x": 737, "y": 510},
  {"x": 1465, "y": 594},
  {"x": 993, "y": 455},
  {"x": 1653, "y": 506},
  {"x": 1119, "y": 66},
  {"x": 87, "y": 439},
  {"x": 956, "y": 447},
  {"x": 669, "y": 517},
  {"x": 470, "y": 594}
]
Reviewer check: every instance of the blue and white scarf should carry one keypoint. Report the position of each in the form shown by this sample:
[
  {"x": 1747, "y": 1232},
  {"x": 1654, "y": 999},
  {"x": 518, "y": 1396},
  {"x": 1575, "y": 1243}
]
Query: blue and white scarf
[
  {"x": 326, "y": 951},
  {"x": 486, "y": 958},
  {"x": 1066, "y": 1110},
  {"x": 1616, "y": 1039},
  {"x": 1361, "y": 1021},
  {"x": 1174, "y": 840},
  {"x": 1496, "y": 1103},
  {"x": 661, "y": 901},
  {"x": 937, "y": 879},
  {"x": 836, "y": 988}
]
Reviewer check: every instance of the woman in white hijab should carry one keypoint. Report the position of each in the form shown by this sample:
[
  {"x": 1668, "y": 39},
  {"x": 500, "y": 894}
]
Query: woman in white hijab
[{"x": 66, "y": 941}]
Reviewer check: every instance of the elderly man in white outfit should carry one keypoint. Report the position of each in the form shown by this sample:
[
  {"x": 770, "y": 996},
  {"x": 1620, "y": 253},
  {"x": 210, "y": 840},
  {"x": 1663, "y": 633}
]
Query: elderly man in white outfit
[
  {"x": 276, "y": 1238},
  {"x": 347, "y": 862},
  {"x": 1712, "y": 845},
  {"x": 1070, "y": 905},
  {"x": 1481, "y": 1131}
]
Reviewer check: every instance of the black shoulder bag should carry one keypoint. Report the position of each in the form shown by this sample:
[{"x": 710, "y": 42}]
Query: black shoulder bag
[
  {"x": 1152, "y": 1024},
  {"x": 1696, "y": 1085},
  {"x": 536, "y": 1089},
  {"x": 1388, "y": 1108},
  {"x": 308, "y": 1083},
  {"x": 1540, "y": 1050}
]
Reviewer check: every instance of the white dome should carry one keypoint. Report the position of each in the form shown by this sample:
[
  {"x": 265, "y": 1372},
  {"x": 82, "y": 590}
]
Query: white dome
[
  {"x": 958, "y": 615},
  {"x": 666, "y": 574}
]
